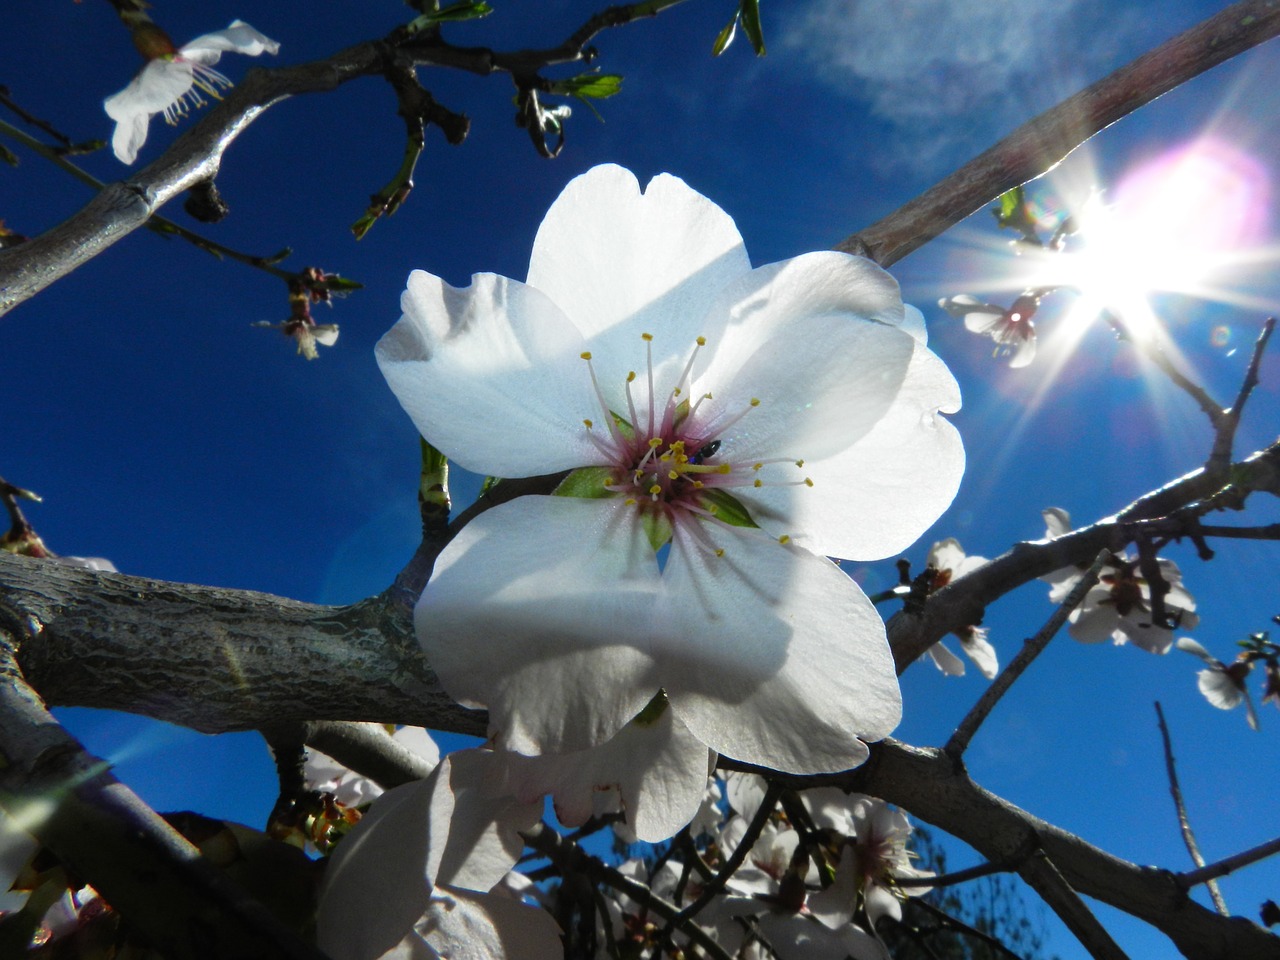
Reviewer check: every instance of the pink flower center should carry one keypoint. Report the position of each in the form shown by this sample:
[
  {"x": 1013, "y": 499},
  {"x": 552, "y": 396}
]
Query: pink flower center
[{"x": 674, "y": 459}]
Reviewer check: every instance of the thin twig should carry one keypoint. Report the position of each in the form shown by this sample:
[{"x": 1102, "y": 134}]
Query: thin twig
[
  {"x": 1220, "y": 457},
  {"x": 1041, "y": 143},
  {"x": 569, "y": 856},
  {"x": 1184, "y": 822},
  {"x": 157, "y": 224},
  {"x": 967, "y": 727},
  {"x": 716, "y": 884},
  {"x": 957, "y": 925},
  {"x": 1229, "y": 864}
]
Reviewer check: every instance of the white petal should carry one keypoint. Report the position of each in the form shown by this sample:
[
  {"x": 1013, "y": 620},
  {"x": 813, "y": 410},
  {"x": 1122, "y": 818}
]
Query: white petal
[
  {"x": 982, "y": 653},
  {"x": 875, "y": 498},
  {"x": 946, "y": 555},
  {"x": 1024, "y": 352},
  {"x": 771, "y": 655},
  {"x": 237, "y": 38},
  {"x": 745, "y": 792},
  {"x": 1057, "y": 522},
  {"x": 945, "y": 660},
  {"x": 621, "y": 263},
  {"x": 419, "y": 741},
  {"x": 491, "y": 375},
  {"x": 540, "y": 609},
  {"x": 159, "y": 84},
  {"x": 1219, "y": 689},
  {"x": 462, "y": 925},
  {"x": 1093, "y": 623},
  {"x": 1188, "y": 645},
  {"x": 476, "y": 822},
  {"x": 326, "y": 334},
  {"x": 657, "y": 771},
  {"x": 375, "y": 885},
  {"x": 913, "y": 323}
]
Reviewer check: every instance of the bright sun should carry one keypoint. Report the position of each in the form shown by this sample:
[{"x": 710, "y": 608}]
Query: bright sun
[{"x": 1180, "y": 223}]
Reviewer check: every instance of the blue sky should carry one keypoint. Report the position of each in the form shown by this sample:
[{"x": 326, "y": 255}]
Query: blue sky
[{"x": 166, "y": 433}]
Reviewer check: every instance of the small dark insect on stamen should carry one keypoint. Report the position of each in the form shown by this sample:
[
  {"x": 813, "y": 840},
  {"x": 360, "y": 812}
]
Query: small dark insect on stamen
[{"x": 705, "y": 451}]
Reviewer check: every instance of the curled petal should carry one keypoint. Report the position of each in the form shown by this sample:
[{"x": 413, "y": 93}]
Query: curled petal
[{"x": 237, "y": 38}]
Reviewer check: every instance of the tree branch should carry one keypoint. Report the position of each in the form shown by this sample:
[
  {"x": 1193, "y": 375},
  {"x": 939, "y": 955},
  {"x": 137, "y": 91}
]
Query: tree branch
[
  {"x": 1041, "y": 143},
  {"x": 99, "y": 829},
  {"x": 1230, "y": 864}
]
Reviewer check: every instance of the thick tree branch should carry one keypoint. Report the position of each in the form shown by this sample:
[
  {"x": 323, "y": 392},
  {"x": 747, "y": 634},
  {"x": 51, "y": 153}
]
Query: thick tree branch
[
  {"x": 1040, "y": 144},
  {"x": 99, "y": 829}
]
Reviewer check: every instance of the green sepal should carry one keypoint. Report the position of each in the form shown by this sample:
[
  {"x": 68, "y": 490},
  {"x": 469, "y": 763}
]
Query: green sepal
[
  {"x": 751, "y": 25},
  {"x": 588, "y": 482},
  {"x": 625, "y": 428},
  {"x": 596, "y": 85},
  {"x": 682, "y": 412},
  {"x": 340, "y": 285},
  {"x": 433, "y": 481},
  {"x": 727, "y": 508},
  {"x": 451, "y": 14},
  {"x": 725, "y": 36},
  {"x": 653, "y": 710},
  {"x": 657, "y": 528}
]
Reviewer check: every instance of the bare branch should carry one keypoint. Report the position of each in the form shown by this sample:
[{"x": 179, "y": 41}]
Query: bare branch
[
  {"x": 1226, "y": 429},
  {"x": 1040, "y": 144},
  {"x": 1184, "y": 822},
  {"x": 98, "y": 828},
  {"x": 1043, "y": 877},
  {"x": 1230, "y": 864},
  {"x": 1031, "y": 649}
]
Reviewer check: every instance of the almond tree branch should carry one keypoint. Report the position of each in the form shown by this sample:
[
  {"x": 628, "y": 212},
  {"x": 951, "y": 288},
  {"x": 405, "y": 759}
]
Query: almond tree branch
[
  {"x": 196, "y": 157},
  {"x": 1043, "y": 142},
  {"x": 98, "y": 828},
  {"x": 1226, "y": 429},
  {"x": 1184, "y": 822},
  {"x": 1230, "y": 864}
]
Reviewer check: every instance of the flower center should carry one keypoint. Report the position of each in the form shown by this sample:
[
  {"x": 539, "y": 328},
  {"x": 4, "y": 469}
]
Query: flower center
[{"x": 674, "y": 460}]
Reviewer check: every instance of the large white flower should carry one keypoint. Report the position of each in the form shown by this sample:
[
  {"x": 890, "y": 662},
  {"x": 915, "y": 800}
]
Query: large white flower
[
  {"x": 175, "y": 81},
  {"x": 757, "y": 420}
]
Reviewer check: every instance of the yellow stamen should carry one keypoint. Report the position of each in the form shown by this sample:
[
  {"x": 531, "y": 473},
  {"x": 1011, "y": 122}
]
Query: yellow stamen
[
  {"x": 701, "y": 341},
  {"x": 588, "y": 423},
  {"x": 784, "y": 539},
  {"x": 585, "y": 354},
  {"x": 646, "y": 337},
  {"x": 720, "y": 552},
  {"x": 755, "y": 401},
  {"x": 808, "y": 482}
]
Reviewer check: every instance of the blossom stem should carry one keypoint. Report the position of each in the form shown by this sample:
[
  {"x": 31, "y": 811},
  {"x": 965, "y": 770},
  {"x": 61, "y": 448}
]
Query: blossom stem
[
  {"x": 967, "y": 727},
  {"x": 1184, "y": 822}
]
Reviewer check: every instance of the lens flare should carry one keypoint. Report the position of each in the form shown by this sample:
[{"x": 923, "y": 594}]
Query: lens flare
[
  {"x": 1220, "y": 336},
  {"x": 1176, "y": 223}
]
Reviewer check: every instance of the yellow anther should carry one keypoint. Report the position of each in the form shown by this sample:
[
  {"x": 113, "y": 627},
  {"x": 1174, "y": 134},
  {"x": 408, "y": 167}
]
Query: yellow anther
[
  {"x": 646, "y": 337},
  {"x": 631, "y": 375},
  {"x": 675, "y": 392},
  {"x": 585, "y": 354},
  {"x": 784, "y": 539},
  {"x": 723, "y": 468},
  {"x": 630, "y": 501},
  {"x": 610, "y": 483},
  {"x": 799, "y": 463},
  {"x": 756, "y": 466},
  {"x": 720, "y": 552},
  {"x": 701, "y": 341},
  {"x": 755, "y": 401},
  {"x": 758, "y": 483},
  {"x": 589, "y": 424},
  {"x": 808, "y": 482},
  {"x": 674, "y": 475},
  {"x": 712, "y": 509},
  {"x": 697, "y": 484},
  {"x": 656, "y": 489}
]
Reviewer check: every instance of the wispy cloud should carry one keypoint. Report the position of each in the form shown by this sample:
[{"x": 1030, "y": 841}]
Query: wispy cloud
[{"x": 948, "y": 77}]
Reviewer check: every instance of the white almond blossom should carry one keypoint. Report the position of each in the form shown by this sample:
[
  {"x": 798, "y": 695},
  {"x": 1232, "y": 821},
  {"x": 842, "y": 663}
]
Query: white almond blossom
[
  {"x": 948, "y": 561},
  {"x": 1013, "y": 330},
  {"x": 1118, "y": 606},
  {"x": 324, "y": 774},
  {"x": 1222, "y": 684},
  {"x": 175, "y": 81},
  {"x": 757, "y": 421},
  {"x": 413, "y": 879}
]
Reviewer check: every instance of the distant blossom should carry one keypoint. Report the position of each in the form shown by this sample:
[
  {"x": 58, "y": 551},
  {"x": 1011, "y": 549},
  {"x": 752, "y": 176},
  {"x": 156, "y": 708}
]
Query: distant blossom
[
  {"x": 175, "y": 80},
  {"x": 948, "y": 562},
  {"x": 1118, "y": 606},
  {"x": 757, "y": 421},
  {"x": 1012, "y": 329}
]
